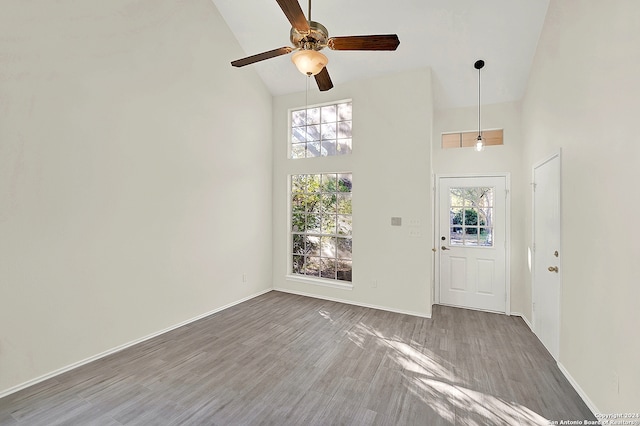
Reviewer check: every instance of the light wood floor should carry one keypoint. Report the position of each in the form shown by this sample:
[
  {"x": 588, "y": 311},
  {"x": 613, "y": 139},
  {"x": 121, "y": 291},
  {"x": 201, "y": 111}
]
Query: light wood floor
[{"x": 281, "y": 359}]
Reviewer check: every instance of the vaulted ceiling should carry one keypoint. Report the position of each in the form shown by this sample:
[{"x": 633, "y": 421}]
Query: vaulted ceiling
[{"x": 446, "y": 35}]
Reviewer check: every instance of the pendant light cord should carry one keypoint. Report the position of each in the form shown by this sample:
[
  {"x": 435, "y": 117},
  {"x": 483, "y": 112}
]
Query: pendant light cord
[{"x": 479, "y": 127}]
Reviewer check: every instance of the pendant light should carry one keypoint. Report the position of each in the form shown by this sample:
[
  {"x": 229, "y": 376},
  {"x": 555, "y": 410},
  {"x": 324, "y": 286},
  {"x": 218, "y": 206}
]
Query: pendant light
[{"x": 479, "y": 141}]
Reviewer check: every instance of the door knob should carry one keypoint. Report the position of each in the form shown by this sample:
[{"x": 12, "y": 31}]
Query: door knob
[
  {"x": 445, "y": 248},
  {"x": 553, "y": 269}
]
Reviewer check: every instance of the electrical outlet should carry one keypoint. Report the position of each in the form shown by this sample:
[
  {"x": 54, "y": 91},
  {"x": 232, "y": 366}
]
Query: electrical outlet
[
  {"x": 244, "y": 278},
  {"x": 615, "y": 382},
  {"x": 374, "y": 284}
]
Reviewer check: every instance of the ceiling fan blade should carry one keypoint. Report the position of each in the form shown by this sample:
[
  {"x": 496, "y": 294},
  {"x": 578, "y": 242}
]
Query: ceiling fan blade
[
  {"x": 365, "y": 42},
  {"x": 262, "y": 56},
  {"x": 294, "y": 14},
  {"x": 323, "y": 80}
]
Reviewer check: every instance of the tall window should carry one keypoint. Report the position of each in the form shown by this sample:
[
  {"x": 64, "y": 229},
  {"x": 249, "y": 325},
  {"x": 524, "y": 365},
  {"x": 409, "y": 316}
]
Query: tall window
[
  {"x": 321, "y": 225},
  {"x": 321, "y": 131}
]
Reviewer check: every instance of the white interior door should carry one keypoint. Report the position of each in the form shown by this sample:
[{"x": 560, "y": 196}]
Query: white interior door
[
  {"x": 472, "y": 242},
  {"x": 547, "y": 253}
]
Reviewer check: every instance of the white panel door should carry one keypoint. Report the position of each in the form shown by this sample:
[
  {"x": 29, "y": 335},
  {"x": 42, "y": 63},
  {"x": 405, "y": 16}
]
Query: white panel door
[
  {"x": 472, "y": 242},
  {"x": 547, "y": 253}
]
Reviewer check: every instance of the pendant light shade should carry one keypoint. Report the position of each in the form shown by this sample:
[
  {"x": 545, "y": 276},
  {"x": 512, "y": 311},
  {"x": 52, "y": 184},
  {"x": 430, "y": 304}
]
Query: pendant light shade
[
  {"x": 479, "y": 141},
  {"x": 309, "y": 62}
]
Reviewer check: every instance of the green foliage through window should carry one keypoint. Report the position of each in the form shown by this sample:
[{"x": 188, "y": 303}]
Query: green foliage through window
[
  {"x": 471, "y": 216},
  {"x": 321, "y": 225}
]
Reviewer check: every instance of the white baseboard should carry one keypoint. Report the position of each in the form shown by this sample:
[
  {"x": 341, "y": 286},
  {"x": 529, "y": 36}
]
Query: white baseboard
[
  {"x": 576, "y": 386},
  {"x": 526, "y": 321},
  {"x": 351, "y": 302},
  {"x": 121, "y": 347}
]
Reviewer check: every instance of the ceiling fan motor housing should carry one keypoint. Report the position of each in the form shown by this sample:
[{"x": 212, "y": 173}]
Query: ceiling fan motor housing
[{"x": 315, "y": 39}]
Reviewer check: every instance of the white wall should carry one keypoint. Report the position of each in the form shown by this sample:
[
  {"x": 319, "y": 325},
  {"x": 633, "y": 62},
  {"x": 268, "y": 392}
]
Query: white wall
[
  {"x": 135, "y": 181},
  {"x": 391, "y": 177},
  {"x": 505, "y": 158},
  {"x": 583, "y": 96}
]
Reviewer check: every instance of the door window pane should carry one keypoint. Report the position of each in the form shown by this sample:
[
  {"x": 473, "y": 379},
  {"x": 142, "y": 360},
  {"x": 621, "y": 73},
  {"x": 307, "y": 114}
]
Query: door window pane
[{"x": 471, "y": 216}]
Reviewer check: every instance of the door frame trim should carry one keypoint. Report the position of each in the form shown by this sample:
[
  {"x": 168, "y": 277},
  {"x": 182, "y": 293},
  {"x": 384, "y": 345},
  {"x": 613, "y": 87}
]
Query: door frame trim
[
  {"x": 436, "y": 231},
  {"x": 558, "y": 155}
]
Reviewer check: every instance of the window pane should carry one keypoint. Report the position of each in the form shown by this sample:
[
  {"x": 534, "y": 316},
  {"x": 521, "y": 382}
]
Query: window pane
[
  {"x": 298, "y": 204},
  {"x": 328, "y": 148},
  {"x": 328, "y": 130},
  {"x": 313, "y": 204},
  {"x": 313, "y": 183},
  {"x": 456, "y": 237},
  {"x": 344, "y": 203},
  {"x": 298, "y": 264},
  {"x": 329, "y": 182},
  {"x": 344, "y": 182},
  {"x": 298, "y": 150},
  {"x": 328, "y": 246},
  {"x": 328, "y": 224},
  {"x": 312, "y": 246},
  {"x": 471, "y": 217},
  {"x": 343, "y": 270},
  {"x": 298, "y": 134},
  {"x": 328, "y": 268},
  {"x": 471, "y": 240},
  {"x": 298, "y": 118},
  {"x": 456, "y": 197},
  {"x": 314, "y": 223},
  {"x": 329, "y": 203},
  {"x": 344, "y": 111},
  {"x": 298, "y": 222},
  {"x": 313, "y": 149},
  {"x": 343, "y": 146},
  {"x": 313, "y": 116},
  {"x": 486, "y": 237},
  {"x": 313, "y": 133},
  {"x": 344, "y": 130},
  {"x": 486, "y": 218},
  {"x": 328, "y": 113},
  {"x": 344, "y": 225},
  {"x": 312, "y": 266},
  {"x": 344, "y": 248},
  {"x": 455, "y": 216},
  {"x": 298, "y": 244}
]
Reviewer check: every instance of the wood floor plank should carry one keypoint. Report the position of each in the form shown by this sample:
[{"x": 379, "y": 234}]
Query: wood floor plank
[{"x": 282, "y": 359}]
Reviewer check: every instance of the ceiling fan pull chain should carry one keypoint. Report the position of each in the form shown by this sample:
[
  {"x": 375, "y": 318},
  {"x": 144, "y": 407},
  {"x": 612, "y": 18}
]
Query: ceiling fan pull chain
[{"x": 309, "y": 10}]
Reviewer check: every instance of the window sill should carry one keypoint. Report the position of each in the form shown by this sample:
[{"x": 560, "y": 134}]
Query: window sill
[{"x": 318, "y": 281}]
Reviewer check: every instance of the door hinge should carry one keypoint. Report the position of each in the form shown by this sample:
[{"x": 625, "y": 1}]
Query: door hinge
[
  {"x": 506, "y": 193},
  {"x": 533, "y": 185}
]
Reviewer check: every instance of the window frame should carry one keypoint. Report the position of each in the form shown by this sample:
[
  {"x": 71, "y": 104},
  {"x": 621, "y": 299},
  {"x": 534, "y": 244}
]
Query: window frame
[
  {"x": 468, "y": 139},
  {"x": 318, "y": 105},
  {"x": 291, "y": 276}
]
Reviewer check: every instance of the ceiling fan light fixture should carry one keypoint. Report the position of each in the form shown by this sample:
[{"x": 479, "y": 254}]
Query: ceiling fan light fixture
[{"x": 309, "y": 62}]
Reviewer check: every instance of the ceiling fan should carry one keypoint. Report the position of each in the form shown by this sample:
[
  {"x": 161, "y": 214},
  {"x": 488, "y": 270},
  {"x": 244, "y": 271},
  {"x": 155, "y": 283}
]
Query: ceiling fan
[{"x": 309, "y": 37}]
